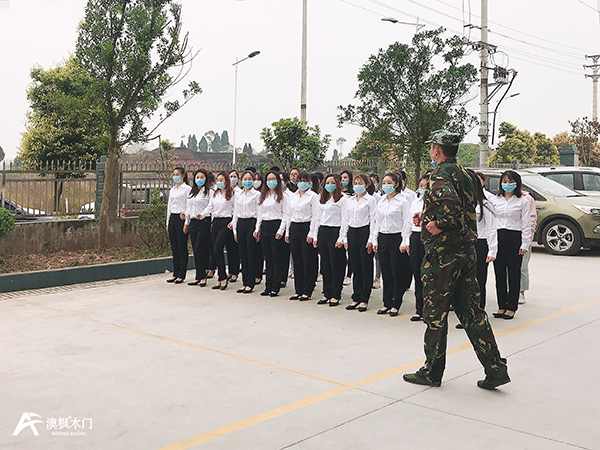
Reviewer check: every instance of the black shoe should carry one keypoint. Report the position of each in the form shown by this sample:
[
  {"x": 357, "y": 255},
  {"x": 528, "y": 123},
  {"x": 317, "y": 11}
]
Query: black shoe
[
  {"x": 179, "y": 281},
  {"x": 352, "y": 306},
  {"x": 257, "y": 280},
  {"x": 305, "y": 298},
  {"x": 361, "y": 308},
  {"x": 334, "y": 303},
  {"x": 416, "y": 318},
  {"x": 241, "y": 291},
  {"x": 383, "y": 311},
  {"x": 248, "y": 291},
  {"x": 265, "y": 293},
  {"x": 295, "y": 297},
  {"x": 274, "y": 294},
  {"x": 323, "y": 301},
  {"x": 509, "y": 316},
  {"x": 202, "y": 284},
  {"x": 394, "y": 313},
  {"x": 498, "y": 315},
  {"x": 493, "y": 383},
  {"x": 459, "y": 326},
  {"x": 216, "y": 286},
  {"x": 418, "y": 378},
  {"x": 224, "y": 286},
  {"x": 233, "y": 280},
  {"x": 171, "y": 280},
  {"x": 194, "y": 283}
]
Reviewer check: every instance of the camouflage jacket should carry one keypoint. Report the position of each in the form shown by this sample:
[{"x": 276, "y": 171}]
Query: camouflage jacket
[{"x": 450, "y": 201}]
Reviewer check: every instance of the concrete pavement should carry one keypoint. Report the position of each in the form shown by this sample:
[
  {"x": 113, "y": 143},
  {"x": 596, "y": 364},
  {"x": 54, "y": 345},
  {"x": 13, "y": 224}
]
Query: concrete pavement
[{"x": 142, "y": 364}]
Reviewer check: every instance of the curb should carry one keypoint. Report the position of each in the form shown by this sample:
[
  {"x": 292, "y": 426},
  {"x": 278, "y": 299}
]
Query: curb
[{"x": 62, "y": 277}]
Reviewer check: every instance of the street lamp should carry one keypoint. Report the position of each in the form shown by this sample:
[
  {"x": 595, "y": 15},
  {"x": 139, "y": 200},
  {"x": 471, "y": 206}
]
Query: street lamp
[
  {"x": 251, "y": 55},
  {"x": 496, "y": 111},
  {"x": 394, "y": 20}
]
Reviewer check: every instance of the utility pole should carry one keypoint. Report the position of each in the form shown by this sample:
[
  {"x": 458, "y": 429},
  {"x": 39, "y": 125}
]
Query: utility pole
[
  {"x": 484, "y": 148},
  {"x": 594, "y": 78},
  {"x": 304, "y": 42}
]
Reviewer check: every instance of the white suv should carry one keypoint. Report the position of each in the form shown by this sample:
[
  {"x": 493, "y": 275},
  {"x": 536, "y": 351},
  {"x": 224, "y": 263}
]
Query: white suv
[{"x": 582, "y": 179}]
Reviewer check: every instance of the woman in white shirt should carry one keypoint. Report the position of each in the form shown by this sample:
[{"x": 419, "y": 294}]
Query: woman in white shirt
[
  {"x": 221, "y": 207},
  {"x": 417, "y": 250},
  {"x": 330, "y": 241},
  {"x": 394, "y": 226},
  {"x": 258, "y": 182},
  {"x": 176, "y": 207},
  {"x": 487, "y": 238},
  {"x": 270, "y": 229},
  {"x": 199, "y": 229},
  {"x": 244, "y": 223},
  {"x": 361, "y": 211},
  {"x": 514, "y": 239},
  {"x": 301, "y": 230},
  {"x": 233, "y": 255}
]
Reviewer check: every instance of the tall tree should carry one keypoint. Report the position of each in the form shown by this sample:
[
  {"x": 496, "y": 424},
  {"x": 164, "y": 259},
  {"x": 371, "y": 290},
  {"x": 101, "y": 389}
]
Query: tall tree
[
  {"x": 563, "y": 138},
  {"x": 545, "y": 150},
  {"x": 216, "y": 144},
  {"x": 134, "y": 52},
  {"x": 401, "y": 87},
  {"x": 585, "y": 134},
  {"x": 293, "y": 143},
  {"x": 203, "y": 145},
  {"x": 225, "y": 139},
  {"x": 517, "y": 146}
]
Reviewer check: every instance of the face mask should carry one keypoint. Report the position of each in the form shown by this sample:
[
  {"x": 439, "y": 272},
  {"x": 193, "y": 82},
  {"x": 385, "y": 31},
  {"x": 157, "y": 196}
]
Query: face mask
[
  {"x": 283, "y": 184},
  {"x": 434, "y": 163},
  {"x": 345, "y": 183},
  {"x": 272, "y": 184},
  {"x": 220, "y": 185},
  {"x": 233, "y": 180},
  {"x": 176, "y": 180},
  {"x": 247, "y": 184},
  {"x": 388, "y": 188},
  {"x": 257, "y": 184},
  {"x": 359, "y": 189},
  {"x": 421, "y": 192},
  {"x": 303, "y": 185},
  {"x": 509, "y": 187},
  {"x": 294, "y": 182},
  {"x": 330, "y": 188},
  {"x": 200, "y": 182},
  {"x": 213, "y": 188}
]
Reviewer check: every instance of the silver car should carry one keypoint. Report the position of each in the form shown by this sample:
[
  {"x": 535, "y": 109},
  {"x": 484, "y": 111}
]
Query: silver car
[{"x": 581, "y": 179}]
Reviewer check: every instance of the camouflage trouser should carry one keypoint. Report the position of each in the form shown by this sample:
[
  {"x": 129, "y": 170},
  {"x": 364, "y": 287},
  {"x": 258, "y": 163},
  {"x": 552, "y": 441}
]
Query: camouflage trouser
[{"x": 450, "y": 279}]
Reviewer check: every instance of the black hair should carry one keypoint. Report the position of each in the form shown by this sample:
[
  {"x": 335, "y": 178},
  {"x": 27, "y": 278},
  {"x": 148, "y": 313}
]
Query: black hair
[
  {"x": 250, "y": 169},
  {"x": 512, "y": 175},
  {"x": 396, "y": 179},
  {"x": 195, "y": 188},
  {"x": 183, "y": 173},
  {"x": 350, "y": 188},
  {"x": 316, "y": 183},
  {"x": 449, "y": 151}
]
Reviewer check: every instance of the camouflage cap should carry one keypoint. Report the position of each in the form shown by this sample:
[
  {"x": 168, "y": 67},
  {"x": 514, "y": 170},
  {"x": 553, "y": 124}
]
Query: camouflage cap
[{"x": 444, "y": 137}]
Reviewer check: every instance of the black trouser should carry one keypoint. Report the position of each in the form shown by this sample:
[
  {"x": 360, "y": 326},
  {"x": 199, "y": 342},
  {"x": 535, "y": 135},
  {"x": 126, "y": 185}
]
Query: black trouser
[
  {"x": 306, "y": 259},
  {"x": 507, "y": 267},
  {"x": 362, "y": 263},
  {"x": 395, "y": 269},
  {"x": 417, "y": 253},
  {"x": 285, "y": 267},
  {"x": 201, "y": 243},
  {"x": 251, "y": 257},
  {"x": 212, "y": 265},
  {"x": 233, "y": 258},
  {"x": 222, "y": 237},
  {"x": 178, "y": 240},
  {"x": 274, "y": 254},
  {"x": 333, "y": 262},
  {"x": 482, "y": 249}
]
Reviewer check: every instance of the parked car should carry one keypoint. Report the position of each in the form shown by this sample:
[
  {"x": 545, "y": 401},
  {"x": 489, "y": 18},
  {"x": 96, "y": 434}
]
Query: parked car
[
  {"x": 567, "y": 220},
  {"x": 87, "y": 211},
  {"x": 582, "y": 179},
  {"x": 25, "y": 214}
]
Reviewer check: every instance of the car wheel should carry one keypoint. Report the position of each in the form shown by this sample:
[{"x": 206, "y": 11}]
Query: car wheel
[{"x": 561, "y": 237}]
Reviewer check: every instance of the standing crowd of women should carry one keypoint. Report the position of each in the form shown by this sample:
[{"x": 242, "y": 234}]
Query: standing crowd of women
[{"x": 342, "y": 226}]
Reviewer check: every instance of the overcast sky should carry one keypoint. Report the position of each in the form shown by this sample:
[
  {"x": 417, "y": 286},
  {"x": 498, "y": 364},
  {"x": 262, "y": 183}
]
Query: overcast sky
[{"x": 544, "y": 41}]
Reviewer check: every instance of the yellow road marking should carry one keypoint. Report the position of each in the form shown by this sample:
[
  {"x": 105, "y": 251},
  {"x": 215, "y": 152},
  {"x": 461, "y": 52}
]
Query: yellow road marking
[{"x": 302, "y": 403}]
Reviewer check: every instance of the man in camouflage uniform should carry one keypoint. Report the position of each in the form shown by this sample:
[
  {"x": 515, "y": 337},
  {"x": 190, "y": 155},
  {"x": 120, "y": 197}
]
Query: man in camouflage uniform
[{"x": 449, "y": 267}]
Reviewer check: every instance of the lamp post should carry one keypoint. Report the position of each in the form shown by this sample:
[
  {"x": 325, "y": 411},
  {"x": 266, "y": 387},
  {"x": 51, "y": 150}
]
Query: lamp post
[
  {"x": 235, "y": 64},
  {"x": 303, "y": 78},
  {"x": 394, "y": 20}
]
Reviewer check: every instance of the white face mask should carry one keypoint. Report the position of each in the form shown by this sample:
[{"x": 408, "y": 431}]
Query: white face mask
[{"x": 257, "y": 184}]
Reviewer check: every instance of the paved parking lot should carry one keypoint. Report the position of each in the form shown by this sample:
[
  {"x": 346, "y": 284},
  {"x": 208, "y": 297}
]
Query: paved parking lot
[{"x": 142, "y": 364}]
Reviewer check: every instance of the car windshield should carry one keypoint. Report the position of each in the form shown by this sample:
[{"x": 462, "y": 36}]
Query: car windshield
[{"x": 549, "y": 187}]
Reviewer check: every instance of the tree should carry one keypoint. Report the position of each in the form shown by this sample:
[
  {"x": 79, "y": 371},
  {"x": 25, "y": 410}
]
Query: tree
[
  {"x": 517, "y": 146},
  {"x": 192, "y": 142},
  {"x": 561, "y": 139},
  {"x": 216, "y": 144},
  {"x": 401, "y": 87},
  {"x": 376, "y": 143},
  {"x": 467, "y": 154},
  {"x": 203, "y": 145},
  {"x": 293, "y": 143},
  {"x": 181, "y": 144},
  {"x": 585, "y": 134},
  {"x": 545, "y": 150},
  {"x": 134, "y": 52},
  {"x": 225, "y": 140}
]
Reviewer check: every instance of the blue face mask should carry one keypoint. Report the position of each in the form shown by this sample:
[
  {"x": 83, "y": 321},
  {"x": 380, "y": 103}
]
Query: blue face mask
[
  {"x": 509, "y": 187},
  {"x": 272, "y": 184},
  {"x": 330, "y": 188},
  {"x": 345, "y": 183},
  {"x": 220, "y": 185},
  {"x": 294, "y": 182},
  {"x": 421, "y": 192},
  {"x": 248, "y": 184},
  {"x": 283, "y": 184},
  {"x": 303, "y": 185},
  {"x": 200, "y": 182},
  {"x": 233, "y": 180},
  {"x": 388, "y": 188},
  {"x": 434, "y": 163},
  {"x": 176, "y": 179},
  {"x": 359, "y": 189}
]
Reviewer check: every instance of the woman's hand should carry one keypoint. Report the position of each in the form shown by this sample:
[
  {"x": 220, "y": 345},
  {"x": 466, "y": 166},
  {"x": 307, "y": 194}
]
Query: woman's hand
[
  {"x": 278, "y": 236},
  {"x": 309, "y": 240},
  {"x": 339, "y": 245},
  {"x": 287, "y": 239},
  {"x": 369, "y": 248},
  {"x": 490, "y": 259},
  {"x": 256, "y": 236},
  {"x": 230, "y": 226},
  {"x": 182, "y": 216},
  {"x": 198, "y": 216},
  {"x": 186, "y": 228},
  {"x": 522, "y": 251}
]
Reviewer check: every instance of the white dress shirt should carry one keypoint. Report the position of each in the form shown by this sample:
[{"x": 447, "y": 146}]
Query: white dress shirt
[
  {"x": 409, "y": 195},
  {"x": 246, "y": 206},
  {"x": 487, "y": 227},
  {"x": 393, "y": 216},
  {"x": 178, "y": 196},
  {"x": 273, "y": 210},
  {"x": 305, "y": 208},
  {"x": 513, "y": 214},
  {"x": 197, "y": 204},
  {"x": 361, "y": 211},
  {"x": 334, "y": 214},
  {"x": 219, "y": 207},
  {"x": 416, "y": 207}
]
